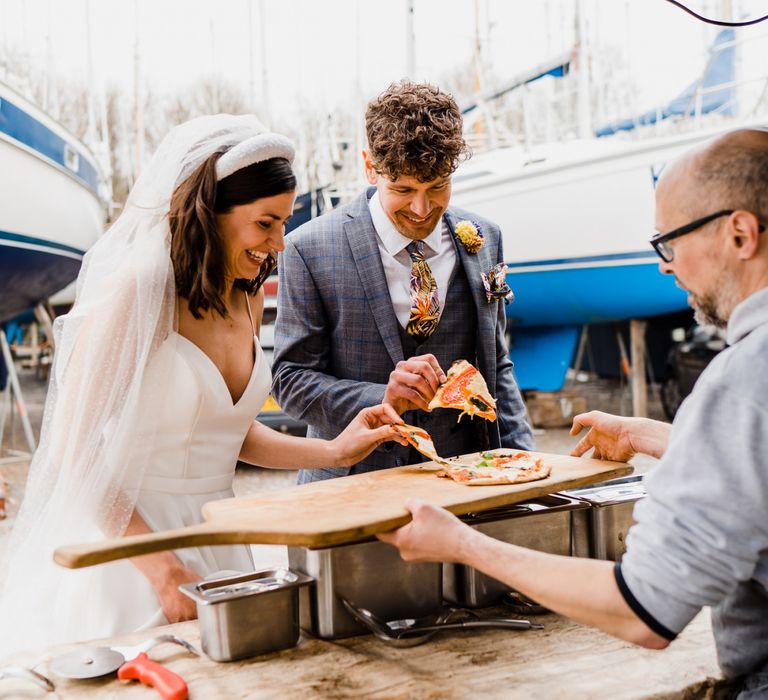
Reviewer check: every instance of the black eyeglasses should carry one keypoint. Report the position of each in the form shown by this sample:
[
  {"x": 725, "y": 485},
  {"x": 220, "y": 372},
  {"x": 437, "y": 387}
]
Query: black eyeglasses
[{"x": 660, "y": 241}]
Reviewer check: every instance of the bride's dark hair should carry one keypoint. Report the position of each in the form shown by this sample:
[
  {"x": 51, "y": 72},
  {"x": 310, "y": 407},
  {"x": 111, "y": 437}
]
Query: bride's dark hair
[{"x": 197, "y": 249}]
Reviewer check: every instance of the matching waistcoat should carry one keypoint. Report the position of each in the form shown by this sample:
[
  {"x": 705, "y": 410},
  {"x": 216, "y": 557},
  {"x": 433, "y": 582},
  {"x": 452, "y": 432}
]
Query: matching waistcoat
[{"x": 453, "y": 339}]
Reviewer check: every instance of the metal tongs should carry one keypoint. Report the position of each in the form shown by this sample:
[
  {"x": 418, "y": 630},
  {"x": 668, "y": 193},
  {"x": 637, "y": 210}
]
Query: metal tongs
[{"x": 410, "y": 633}]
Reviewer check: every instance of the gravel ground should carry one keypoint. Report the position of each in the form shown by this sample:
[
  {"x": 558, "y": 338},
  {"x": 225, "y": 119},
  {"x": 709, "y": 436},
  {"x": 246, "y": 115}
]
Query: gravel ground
[{"x": 602, "y": 394}]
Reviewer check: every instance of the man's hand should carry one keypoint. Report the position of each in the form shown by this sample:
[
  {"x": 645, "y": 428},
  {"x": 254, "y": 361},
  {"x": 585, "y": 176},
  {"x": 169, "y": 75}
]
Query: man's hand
[
  {"x": 369, "y": 428},
  {"x": 413, "y": 383},
  {"x": 618, "y": 438},
  {"x": 434, "y": 534}
]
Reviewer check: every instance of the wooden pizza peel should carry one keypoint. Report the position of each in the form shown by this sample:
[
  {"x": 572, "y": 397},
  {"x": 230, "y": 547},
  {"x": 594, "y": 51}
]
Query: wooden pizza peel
[{"x": 340, "y": 511}]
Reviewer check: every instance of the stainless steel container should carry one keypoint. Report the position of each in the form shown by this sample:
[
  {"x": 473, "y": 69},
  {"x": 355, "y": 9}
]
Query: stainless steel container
[
  {"x": 369, "y": 575},
  {"x": 242, "y": 616},
  {"x": 602, "y": 529},
  {"x": 543, "y": 524}
]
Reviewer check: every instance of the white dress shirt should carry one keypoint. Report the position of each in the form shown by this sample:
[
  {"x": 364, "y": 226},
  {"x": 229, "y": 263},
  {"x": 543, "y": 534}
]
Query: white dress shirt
[{"x": 439, "y": 253}]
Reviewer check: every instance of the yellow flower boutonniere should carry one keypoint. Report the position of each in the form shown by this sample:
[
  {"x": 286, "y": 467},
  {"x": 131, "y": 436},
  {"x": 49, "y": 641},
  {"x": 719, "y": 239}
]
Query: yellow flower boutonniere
[{"x": 470, "y": 235}]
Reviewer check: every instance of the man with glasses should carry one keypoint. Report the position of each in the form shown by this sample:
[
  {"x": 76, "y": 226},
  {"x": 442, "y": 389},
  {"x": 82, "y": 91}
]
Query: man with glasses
[{"x": 701, "y": 537}]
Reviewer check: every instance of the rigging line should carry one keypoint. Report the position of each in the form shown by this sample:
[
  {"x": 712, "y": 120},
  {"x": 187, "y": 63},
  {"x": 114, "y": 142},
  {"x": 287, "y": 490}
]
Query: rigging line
[{"x": 718, "y": 22}]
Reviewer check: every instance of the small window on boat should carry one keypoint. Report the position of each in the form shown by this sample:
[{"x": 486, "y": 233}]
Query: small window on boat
[{"x": 71, "y": 158}]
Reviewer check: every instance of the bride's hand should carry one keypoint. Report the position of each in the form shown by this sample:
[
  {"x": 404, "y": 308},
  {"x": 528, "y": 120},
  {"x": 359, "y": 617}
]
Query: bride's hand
[
  {"x": 176, "y": 606},
  {"x": 368, "y": 429}
]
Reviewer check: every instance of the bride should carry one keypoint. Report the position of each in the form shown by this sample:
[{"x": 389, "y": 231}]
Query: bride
[{"x": 157, "y": 379}]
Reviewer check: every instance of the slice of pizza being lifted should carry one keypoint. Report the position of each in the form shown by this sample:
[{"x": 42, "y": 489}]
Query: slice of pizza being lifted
[
  {"x": 491, "y": 468},
  {"x": 465, "y": 389},
  {"x": 420, "y": 439}
]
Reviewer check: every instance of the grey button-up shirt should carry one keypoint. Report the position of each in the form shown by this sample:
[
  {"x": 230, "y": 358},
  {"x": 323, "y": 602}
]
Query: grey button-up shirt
[{"x": 701, "y": 536}]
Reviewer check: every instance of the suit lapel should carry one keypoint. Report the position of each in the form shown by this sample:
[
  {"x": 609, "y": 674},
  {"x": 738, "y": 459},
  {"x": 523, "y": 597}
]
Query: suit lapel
[
  {"x": 472, "y": 264},
  {"x": 365, "y": 253}
]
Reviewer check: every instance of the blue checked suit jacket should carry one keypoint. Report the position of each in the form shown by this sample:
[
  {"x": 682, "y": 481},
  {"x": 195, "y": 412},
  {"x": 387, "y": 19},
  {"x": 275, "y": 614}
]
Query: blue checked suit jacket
[{"x": 337, "y": 338}]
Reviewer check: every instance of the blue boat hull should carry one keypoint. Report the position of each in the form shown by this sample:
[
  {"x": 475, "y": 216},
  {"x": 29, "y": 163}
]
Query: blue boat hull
[
  {"x": 554, "y": 298},
  {"x": 558, "y": 293},
  {"x": 32, "y": 270}
]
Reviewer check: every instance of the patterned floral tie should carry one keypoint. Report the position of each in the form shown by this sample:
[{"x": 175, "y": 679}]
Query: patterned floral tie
[{"x": 425, "y": 303}]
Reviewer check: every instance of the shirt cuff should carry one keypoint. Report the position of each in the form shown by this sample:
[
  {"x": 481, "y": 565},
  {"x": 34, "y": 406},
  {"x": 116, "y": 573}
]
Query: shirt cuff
[{"x": 638, "y": 609}]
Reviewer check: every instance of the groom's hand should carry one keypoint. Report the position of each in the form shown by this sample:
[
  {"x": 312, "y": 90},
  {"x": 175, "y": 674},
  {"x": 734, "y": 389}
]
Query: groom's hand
[{"x": 413, "y": 383}]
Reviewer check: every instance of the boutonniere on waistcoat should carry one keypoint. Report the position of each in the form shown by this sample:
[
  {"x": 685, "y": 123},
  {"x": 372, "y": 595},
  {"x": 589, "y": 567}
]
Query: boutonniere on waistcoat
[
  {"x": 495, "y": 283},
  {"x": 470, "y": 235}
]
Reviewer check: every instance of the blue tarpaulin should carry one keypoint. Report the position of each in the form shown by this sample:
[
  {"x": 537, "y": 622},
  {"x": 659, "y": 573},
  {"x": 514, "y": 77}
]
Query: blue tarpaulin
[
  {"x": 557, "y": 68},
  {"x": 720, "y": 71}
]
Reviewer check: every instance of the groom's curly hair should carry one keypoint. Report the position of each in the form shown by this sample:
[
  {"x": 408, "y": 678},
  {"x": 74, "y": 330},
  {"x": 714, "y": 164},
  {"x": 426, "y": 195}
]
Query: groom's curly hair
[{"x": 414, "y": 129}]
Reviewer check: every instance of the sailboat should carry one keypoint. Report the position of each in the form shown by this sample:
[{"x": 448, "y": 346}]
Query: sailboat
[
  {"x": 52, "y": 206},
  {"x": 576, "y": 219}
]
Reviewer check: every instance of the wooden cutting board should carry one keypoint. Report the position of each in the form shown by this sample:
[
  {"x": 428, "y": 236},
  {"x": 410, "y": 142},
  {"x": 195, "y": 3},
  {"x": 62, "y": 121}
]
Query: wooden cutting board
[{"x": 339, "y": 511}]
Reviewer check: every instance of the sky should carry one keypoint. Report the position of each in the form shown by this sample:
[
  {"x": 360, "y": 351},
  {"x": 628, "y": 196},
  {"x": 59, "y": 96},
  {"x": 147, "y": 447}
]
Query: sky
[{"x": 331, "y": 53}]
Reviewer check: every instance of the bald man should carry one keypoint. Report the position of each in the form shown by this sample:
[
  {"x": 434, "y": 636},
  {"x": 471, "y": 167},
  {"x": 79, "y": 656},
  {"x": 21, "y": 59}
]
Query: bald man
[{"x": 701, "y": 537}]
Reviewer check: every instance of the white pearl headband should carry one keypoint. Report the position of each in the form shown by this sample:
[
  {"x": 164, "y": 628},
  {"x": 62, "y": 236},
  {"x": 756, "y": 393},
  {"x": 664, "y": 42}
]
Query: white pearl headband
[{"x": 254, "y": 150}]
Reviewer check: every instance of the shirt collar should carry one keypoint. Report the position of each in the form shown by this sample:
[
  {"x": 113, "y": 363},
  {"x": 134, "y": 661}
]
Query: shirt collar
[
  {"x": 748, "y": 315},
  {"x": 394, "y": 241}
]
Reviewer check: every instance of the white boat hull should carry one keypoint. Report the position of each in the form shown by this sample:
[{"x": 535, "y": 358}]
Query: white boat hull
[
  {"x": 49, "y": 214},
  {"x": 576, "y": 220}
]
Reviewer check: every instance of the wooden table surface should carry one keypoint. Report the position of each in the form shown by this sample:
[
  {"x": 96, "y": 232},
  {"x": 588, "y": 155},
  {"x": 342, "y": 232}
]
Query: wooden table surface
[{"x": 564, "y": 660}]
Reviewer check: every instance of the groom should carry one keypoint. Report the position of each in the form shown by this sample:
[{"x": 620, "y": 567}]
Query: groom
[{"x": 377, "y": 298}]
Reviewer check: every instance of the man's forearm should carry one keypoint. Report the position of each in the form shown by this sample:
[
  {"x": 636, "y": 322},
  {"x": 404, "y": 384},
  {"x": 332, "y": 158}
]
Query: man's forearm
[
  {"x": 649, "y": 437},
  {"x": 582, "y": 589}
]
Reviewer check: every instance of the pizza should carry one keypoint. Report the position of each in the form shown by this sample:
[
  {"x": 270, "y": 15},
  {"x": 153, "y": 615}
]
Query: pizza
[
  {"x": 465, "y": 389},
  {"x": 488, "y": 469},
  {"x": 491, "y": 468},
  {"x": 420, "y": 440}
]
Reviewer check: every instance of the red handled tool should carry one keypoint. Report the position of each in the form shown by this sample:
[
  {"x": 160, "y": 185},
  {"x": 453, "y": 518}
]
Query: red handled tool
[
  {"x": 164, "y": 681},
  {"x": 132, "y": 662}
]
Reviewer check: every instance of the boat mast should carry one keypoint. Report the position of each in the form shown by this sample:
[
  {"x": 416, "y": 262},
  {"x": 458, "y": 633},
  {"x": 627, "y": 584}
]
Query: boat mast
[
  {"x": 480, "y": 83},
  {"x": 97, "y": 130},
  {"x": 410, "y": 41},
  {"x": 584, "y": 109},
  {"x": 48, "y": 82},
  {"x": 359, "y": 110},
  {"x": 91, "y": 126},
  {"x": 251, "y": 70},
  {"x": 265, "y": 110},
  {"x": 216, "y": 106},
  {"x": 138, "y": 103}
]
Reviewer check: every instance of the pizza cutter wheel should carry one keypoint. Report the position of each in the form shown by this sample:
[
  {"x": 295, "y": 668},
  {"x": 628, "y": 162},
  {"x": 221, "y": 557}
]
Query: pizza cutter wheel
[
  {"x": 87, "y": 663},
  {"x": 131, "y": 663}
]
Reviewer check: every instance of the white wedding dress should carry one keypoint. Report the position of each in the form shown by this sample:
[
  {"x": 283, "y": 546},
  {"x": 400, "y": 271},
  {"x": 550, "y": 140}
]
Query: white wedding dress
[{"x": 197, "y": 435}]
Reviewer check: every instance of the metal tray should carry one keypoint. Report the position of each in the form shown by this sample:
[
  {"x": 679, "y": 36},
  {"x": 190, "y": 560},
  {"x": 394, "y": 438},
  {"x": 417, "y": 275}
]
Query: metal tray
[
  {"x": 603, "y": 528},
  {"x": 369, "y": 574},
  {"x": 247, "y": 615},
  {"x": 544, "y": 524}
]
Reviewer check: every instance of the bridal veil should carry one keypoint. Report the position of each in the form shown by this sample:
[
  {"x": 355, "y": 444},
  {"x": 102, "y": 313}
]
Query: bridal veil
[{"x": 84, "y": 479}]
